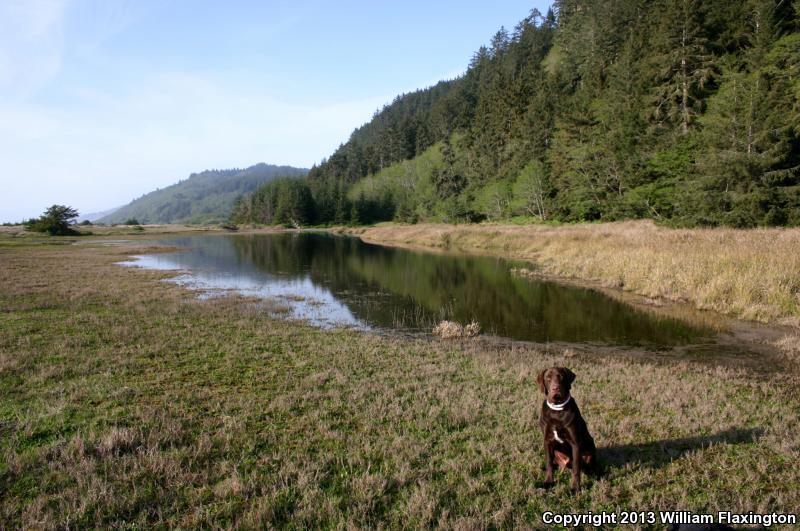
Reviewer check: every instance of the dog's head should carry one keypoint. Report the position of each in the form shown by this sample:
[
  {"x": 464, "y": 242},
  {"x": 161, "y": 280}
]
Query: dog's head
[{"x": 555, "y": 383}]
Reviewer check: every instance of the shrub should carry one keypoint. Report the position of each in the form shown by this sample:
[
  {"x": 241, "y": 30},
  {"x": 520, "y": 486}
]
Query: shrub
[{"x": 55, "y": 221}]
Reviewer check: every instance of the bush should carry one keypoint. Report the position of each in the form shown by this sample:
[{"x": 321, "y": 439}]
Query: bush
[
  {"x": 55, "y": 221},
  {"x": 131, "y": 221}
]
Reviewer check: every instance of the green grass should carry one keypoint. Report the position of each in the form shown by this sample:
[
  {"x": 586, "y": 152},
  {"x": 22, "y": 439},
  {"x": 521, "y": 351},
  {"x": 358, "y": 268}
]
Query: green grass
[{"x": 125, "y": 402}]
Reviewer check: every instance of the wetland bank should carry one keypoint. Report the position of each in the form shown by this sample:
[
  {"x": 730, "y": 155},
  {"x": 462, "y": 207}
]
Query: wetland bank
[{"x": 129, "y": 401}]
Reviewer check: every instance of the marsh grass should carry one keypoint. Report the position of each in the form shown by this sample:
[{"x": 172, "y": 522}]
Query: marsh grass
[
  {"x": 8, "y": 233},
  {"x": 127, "y": 402},
  {"x": 750, "y": 274},
  {"x": 452, "y": 329}
]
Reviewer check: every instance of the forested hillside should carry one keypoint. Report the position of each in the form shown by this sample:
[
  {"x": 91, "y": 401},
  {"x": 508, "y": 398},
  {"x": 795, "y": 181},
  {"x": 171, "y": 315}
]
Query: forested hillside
[
  {"x": 205, "y": 197},
  {"x": 686, "y": 111}
]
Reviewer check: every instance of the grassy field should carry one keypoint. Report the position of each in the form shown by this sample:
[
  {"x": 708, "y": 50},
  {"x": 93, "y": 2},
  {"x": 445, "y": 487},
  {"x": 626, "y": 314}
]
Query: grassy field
[
  {"x": 11, "y": 234},
  {"x": 749, "y": 274},
  {"x": 125, "y": 402}
]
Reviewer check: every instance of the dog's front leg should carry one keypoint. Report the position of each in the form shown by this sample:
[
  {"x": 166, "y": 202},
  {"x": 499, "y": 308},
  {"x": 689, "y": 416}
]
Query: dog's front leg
[
  {"x": 576, "y": 468},
  {"x": 549, "y": 457}
]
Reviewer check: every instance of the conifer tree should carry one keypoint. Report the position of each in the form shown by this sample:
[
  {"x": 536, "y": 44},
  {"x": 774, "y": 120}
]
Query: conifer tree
[{"x": 684, "y": 63}]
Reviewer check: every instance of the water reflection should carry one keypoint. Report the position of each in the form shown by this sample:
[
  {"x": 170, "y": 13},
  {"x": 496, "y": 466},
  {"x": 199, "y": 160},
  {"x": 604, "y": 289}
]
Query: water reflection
[{"x": 341, "y": 280}]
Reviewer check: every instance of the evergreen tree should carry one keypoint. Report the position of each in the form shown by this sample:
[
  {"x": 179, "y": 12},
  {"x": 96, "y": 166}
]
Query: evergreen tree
[
  {"x": 684, "y": 62},
  {"x": 56, "y": 221}
]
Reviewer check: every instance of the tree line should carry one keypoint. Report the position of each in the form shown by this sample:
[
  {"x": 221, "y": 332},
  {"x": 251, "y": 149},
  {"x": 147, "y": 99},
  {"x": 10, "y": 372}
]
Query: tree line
[{"x": 685, "y": 111}]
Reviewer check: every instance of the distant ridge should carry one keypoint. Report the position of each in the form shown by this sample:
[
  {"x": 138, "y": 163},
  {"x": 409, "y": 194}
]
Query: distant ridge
[
  {"x": 205, "y": 197},
  {"x": 94, "y": 216}
]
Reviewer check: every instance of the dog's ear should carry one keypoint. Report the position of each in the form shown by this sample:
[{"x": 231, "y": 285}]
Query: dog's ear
[
  {"x": 569, "y": 376},
  {"x": 540, "y": 381}
]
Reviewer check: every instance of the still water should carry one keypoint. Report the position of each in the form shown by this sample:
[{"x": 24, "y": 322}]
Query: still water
[{"x": 334, "y": 280}]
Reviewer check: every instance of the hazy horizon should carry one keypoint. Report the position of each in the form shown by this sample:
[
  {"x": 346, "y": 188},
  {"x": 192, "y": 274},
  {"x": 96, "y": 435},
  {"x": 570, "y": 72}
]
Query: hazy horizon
[{"x": 105, "y": 101}]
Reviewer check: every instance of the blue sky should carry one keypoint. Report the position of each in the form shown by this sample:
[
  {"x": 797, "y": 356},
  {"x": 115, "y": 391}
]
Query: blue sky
[{"x": 102, "y": 101}]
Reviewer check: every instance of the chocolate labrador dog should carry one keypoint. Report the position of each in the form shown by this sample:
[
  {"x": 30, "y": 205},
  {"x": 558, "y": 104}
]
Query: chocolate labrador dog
[{"x": 566, "y": 437}]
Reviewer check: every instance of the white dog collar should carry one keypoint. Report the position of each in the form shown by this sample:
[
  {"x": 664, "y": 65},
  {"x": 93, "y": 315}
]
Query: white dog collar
[{"x": 558, "y": 407}]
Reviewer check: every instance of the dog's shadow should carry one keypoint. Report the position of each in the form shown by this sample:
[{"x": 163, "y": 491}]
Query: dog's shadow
[{"x": 659, "y": 453}]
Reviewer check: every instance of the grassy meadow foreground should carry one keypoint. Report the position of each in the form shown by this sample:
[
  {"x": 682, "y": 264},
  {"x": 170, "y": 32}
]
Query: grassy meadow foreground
[{"x": 126, "y": 401}]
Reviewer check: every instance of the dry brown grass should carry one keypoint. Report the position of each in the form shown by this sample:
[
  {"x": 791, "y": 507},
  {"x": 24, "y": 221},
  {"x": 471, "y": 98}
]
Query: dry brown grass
[
  {"x": 100, "y": 231},
  {"x": 11, "y": 230},
  {"x": 751, "y": 274},
  {"x": 451, "y": 329},
  {"x": 789, "y": 345},
  {"x": 125, "y": 403}
]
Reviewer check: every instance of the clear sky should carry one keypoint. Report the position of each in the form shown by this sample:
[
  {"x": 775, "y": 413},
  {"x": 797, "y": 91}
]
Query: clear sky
[{"x": 102, "y": 101}]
